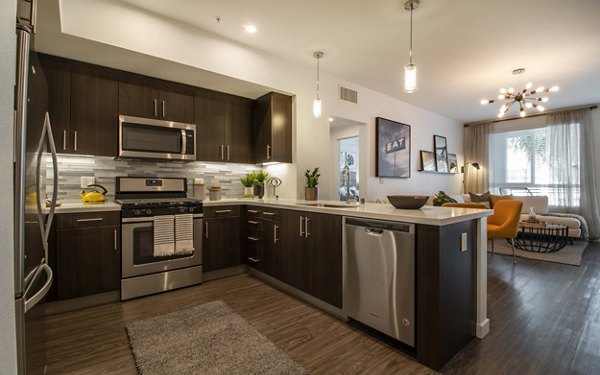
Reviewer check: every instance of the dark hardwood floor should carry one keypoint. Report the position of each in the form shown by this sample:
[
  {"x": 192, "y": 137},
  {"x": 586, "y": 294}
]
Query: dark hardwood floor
[{"x": 545, "y": 319}]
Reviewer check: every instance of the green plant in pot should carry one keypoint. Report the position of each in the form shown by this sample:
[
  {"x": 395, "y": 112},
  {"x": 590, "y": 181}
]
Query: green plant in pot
[
  {"x": 441, "y": 197},
  {"x": 311, "y": 191},
  {"x": 259, "y": 182},
  {"x": 248, "y": 182}
]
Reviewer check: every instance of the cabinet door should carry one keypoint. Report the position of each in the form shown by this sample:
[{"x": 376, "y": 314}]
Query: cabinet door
[
  {"x": 292, "y": 249},
  {"x": 138, "y": 96},
  {"x": 271, "y": 249},
  {"x": 261, "y": 129},
  {"x": 281, "y": 128},
  {"x": 94, "y": 110},
  {"x": 238, "y": 129},
  {"x": 221, "y": 243},
  {"x": 57, "y": 74},
  {"x": 323, "y": 258},
  {"x": 87, "y": 261},
  {"x": 209, "y": 117},
  {"x": 176, "y": 102}
]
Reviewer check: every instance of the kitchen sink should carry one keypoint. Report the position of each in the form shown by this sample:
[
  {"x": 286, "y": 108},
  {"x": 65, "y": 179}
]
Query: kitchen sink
[{"x": 328, "y": 205}]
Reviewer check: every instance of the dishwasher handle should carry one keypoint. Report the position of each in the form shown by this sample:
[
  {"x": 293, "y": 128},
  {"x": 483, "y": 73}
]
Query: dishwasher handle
[
  {"x": 374, "y": 231},
  {"x": 380, "y": 225}
]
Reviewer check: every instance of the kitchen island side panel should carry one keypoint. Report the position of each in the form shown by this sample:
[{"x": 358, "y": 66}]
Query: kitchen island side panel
[{"x": 446, "y": 291}]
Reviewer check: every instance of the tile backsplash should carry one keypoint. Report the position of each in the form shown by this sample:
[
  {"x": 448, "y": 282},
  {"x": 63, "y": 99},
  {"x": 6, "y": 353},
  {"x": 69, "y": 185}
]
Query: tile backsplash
[{"x": 72, "y": 167}]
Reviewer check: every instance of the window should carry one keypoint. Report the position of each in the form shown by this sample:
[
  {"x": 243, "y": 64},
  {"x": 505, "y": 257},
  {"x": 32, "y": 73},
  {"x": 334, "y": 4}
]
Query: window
[{"x": 540, "y": 160}]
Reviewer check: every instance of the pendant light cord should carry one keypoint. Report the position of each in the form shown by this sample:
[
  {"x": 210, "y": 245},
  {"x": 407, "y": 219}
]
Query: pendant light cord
[
  {"x": 412, "y": 6},
  {"x": 318, "y": 58}
]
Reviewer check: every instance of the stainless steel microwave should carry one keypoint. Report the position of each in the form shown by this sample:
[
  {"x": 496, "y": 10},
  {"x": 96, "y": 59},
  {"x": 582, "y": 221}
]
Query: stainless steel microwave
[{"x": 156, "y": 139}]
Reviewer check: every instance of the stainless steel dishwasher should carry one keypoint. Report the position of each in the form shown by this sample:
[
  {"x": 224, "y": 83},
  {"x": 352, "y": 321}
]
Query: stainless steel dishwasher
[{"x": 379, "y": 276}]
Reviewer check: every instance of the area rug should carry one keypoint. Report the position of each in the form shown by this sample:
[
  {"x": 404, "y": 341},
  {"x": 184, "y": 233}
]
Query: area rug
[
  {"x": 205, "y": 339},
  {"x": 570, "y": 254}
]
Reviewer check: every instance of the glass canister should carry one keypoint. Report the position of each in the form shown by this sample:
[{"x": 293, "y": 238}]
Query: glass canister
[
  {"x": 199, "y": 192},
  {"x": 214, "y": 193}
]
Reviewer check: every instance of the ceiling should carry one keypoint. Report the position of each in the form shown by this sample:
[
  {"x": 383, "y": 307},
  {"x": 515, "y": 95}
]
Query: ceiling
[{"x": 465, "y": 50}]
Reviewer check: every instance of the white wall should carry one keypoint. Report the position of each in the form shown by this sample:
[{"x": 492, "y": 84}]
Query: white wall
[
  {"x": 8, "y": 354},
  {"x": 92, "y": 25}
]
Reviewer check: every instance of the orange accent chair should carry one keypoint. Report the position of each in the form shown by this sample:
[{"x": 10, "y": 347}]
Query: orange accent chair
[
  {"x": 465, "y": 205},
  {"x": 504, "y": 223}
]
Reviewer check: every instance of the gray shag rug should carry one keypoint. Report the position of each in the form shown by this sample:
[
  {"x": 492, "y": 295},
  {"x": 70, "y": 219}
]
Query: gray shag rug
[
  {"x": 205, "y": 339},
  {"x": 570, "y": 254}
]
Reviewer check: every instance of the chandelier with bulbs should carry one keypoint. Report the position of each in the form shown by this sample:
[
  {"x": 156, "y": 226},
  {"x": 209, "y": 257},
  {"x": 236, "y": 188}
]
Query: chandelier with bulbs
[{"x": 526, "y": 98}]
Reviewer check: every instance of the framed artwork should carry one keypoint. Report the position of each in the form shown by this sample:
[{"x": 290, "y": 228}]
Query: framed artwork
[
  {"x": 441, "y": 153},
  {"x": 427, "y": 161},
  {"x": 452, "y": 163},
  {"x": 393, "y": 149}
]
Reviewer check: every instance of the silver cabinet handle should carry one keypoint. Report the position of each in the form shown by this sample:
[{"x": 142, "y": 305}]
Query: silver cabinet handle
[
  {"x": 254, "y": 260},
  {"x": 116, "y": 236},
  {"x": 64, "y": 140},
  {"x": 249, "y": 222},
  {"x": 75, "y": 144},
  {"x": 275, "y": 239},
  {"x": 155, "y": 108},
  {"x": 253, "y": 238},
  {"x": 227, "y": 152},
  {"x": 253, "y": 211},
  {"x": 301, "y": 221},
  {"x": 268, "y": 213},
  {"x": 268, "y": 152},
  {"x": 222, "y": 152},
  {"x": 306, "y": 220},
  {"x": 93, "y": 219},
  {"x": 164, "y": 109},
  {"x": 206, "y": 229},
  {"x": 222, "y": 211}
]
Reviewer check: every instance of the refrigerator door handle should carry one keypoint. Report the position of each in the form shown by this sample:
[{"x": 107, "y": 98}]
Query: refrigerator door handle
[{"x": 37, "y": 297}]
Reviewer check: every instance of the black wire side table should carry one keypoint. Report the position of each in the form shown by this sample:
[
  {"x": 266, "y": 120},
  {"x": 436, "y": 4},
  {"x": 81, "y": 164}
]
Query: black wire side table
[{"x": 541, "y": 237}]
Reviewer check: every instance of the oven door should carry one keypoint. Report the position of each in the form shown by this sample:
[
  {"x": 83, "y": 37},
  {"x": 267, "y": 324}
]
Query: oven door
[{"x": 138, "y": 248}]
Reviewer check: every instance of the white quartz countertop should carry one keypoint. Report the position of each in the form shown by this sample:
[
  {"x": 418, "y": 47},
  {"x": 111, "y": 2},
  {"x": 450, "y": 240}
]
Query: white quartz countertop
[
  {"x": 75, "y": 206},
  {"x": 429, "y": 215}
]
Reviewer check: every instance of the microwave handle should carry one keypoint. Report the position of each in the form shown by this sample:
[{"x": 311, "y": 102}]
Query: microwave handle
[{"x": 183, "y": 142}]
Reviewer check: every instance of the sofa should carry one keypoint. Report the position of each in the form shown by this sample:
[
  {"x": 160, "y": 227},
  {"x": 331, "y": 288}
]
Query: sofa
[{"x": 575, "y": 224}]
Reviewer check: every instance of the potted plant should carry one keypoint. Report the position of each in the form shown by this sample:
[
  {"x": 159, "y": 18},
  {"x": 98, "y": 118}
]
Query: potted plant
[
  {"x": 311, "y": 191},
  {"x": 259, "y": 182},
  {"x": 441, "y": 197},
  {"x": 248, "y": 182}
]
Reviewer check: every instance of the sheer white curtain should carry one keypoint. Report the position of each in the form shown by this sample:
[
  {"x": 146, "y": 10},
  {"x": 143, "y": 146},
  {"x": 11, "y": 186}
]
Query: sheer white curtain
[
  {"x": 476, "y": 143},
  {"x": 571, "y": 163}
]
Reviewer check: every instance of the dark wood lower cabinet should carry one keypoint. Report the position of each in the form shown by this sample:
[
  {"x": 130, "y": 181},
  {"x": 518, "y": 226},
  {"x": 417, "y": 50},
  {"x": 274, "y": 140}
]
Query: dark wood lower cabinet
[
  {"x": 222, "y": 245},
  {"x": 88, "y": 261},
  {"x": 311, "y": 255}
]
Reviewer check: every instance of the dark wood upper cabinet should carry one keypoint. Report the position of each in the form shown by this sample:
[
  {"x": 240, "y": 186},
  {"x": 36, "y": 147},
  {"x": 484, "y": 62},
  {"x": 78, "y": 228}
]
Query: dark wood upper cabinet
[
  {"x": 143, "y": 96},
  {"x": 222, "y": 127},
  {"x": 94, "y": 120},
  {"x": 272, "y": 128},
  {"x": 57, "y": 73}
]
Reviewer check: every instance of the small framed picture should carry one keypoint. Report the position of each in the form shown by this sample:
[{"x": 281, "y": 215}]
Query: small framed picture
[
  {"x": 441, "y": 153},
  {"x": 452, "y": 163},
  {"x": 427, "y": 161}
]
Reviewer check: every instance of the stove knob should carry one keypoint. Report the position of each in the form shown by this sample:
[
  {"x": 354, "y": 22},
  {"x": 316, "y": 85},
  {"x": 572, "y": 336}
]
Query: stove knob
[
  {"x": 136, "y": 212},
  {"x": 191, "y": 209},
  {"x": 182, "y": 209},
  {"x": 148, "y": 211}
]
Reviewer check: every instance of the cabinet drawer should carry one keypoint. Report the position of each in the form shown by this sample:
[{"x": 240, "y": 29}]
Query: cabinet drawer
[
  {"x": 272, "y": 214},
  {"x": 221, "y": 211},
  {"x": 88, "y": 219}
]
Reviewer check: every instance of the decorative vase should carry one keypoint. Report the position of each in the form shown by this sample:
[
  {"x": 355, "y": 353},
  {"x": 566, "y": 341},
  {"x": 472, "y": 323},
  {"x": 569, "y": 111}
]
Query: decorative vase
[
  {"x": 311, "y": 193},
  {"x": 248, "y": 190},
  {"x": 259, "y": 190}
]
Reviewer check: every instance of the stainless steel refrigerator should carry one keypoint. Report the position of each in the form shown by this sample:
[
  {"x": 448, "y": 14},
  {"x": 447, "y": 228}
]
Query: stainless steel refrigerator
[{"x": 33, "y": 220}]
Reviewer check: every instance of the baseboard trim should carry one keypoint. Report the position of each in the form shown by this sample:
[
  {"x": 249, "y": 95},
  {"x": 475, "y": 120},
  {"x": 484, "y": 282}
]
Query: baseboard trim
[
  {"x": 225, "y": 272},
  {"x": 57, "y": 307}
]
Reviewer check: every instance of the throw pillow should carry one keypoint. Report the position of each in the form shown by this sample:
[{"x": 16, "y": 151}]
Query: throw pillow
[
  {"x": 495, "y": 198},
  {"x": 483, "y": 199}
]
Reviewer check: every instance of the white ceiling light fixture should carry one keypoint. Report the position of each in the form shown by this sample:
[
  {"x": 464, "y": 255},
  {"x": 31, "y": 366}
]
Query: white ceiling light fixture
[
  {"x": 317, "y": 102},
  {"x": 410, "y": 69},
  {"x": 251, "y": 29},
  {"x": 526, "y": 98}
]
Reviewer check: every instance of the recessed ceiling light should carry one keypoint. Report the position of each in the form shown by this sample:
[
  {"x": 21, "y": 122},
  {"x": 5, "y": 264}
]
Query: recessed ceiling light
[{"x": 250, "y": 29}]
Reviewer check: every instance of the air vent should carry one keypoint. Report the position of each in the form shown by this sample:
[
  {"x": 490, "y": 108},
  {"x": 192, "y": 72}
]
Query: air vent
[{"x": 348, "y": 95}]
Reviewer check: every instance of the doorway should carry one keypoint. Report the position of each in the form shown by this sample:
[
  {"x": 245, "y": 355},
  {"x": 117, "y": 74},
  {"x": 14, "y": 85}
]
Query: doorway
[{"x": 348, "y": 140}]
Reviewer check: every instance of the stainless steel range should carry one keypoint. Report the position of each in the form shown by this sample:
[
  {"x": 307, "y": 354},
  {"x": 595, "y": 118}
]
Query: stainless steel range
[{"x": 161, "y": 235}]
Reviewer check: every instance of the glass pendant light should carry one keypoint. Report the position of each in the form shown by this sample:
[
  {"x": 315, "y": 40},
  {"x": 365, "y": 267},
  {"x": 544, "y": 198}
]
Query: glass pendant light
[
  {"x": 317, "y": 102},
  {"x": 410, "y": 69}
]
